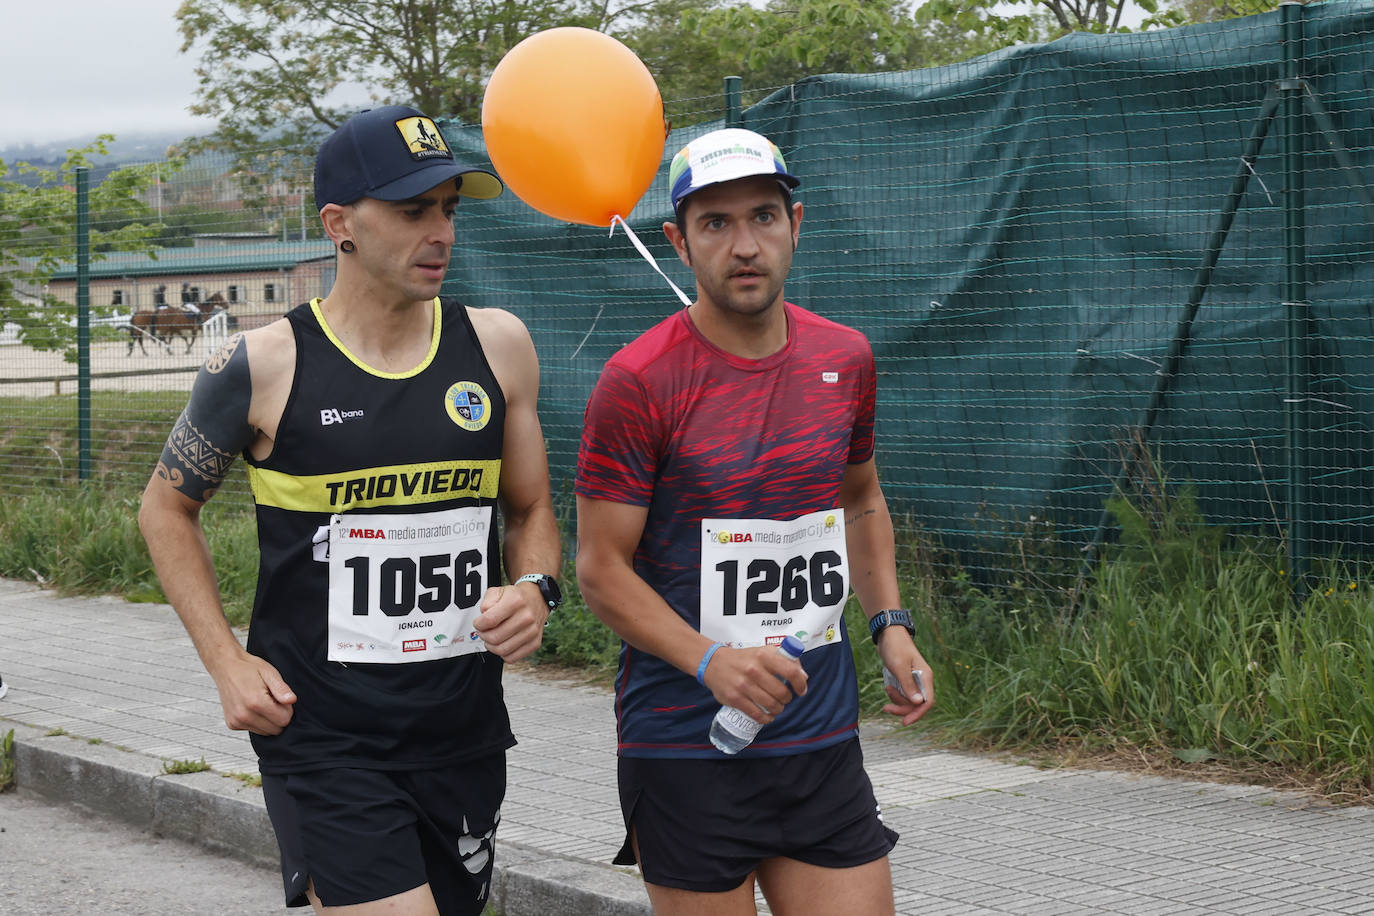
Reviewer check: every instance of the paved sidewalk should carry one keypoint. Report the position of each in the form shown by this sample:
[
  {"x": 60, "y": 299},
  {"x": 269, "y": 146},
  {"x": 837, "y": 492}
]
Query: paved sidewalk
[{"x": 979, "y": 835}]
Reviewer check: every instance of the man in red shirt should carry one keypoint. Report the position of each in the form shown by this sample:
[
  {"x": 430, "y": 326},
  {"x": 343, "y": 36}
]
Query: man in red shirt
[{"x": 728, "y": 497}]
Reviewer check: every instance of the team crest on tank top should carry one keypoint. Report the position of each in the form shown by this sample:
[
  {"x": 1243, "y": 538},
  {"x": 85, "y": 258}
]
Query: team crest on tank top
[{"x": 468, "y": 406}]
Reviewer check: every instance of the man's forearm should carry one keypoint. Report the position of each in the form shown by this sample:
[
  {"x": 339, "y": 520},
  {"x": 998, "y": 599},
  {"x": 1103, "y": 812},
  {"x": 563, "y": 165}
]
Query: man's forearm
[
  {"x": 872, "y": 556},
  {"x": 627, "y": 604},
  {"x": 184, "y": 565},
  {"x": 532, "y": 543}
]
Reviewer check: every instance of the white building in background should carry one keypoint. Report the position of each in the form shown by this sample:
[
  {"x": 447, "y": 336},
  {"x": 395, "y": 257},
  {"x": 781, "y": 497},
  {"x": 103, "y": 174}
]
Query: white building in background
[{"x": 258, "y": 277}]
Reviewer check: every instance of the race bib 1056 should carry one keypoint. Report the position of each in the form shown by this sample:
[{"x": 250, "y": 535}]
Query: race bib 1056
[{"x": 406, "y": 588}]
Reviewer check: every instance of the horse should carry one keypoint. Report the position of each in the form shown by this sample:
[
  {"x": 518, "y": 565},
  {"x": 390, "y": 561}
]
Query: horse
[
  {"x": 142, "y": 326},
  {"x": 166, "y": 322},
  {"x": 179, "y": 322}
]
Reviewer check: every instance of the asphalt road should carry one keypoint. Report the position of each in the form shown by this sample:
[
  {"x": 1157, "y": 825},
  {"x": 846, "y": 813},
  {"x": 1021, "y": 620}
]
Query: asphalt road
[{"x": 56, "y": 859}]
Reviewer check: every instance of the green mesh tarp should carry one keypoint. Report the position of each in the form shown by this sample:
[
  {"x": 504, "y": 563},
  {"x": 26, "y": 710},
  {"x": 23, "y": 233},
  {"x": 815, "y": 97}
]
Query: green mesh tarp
[{"x": 1018, "y": 236}]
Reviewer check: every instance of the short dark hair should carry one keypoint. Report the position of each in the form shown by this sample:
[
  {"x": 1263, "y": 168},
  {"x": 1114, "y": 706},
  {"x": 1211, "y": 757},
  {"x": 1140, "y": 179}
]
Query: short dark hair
[{"x": 681, "y": 209}]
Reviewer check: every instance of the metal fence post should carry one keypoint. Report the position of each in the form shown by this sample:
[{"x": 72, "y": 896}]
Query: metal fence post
[
  {"x": 734, "y": 114},
  {"x": 83, "y": 323},
  {"x": 1297, "y": 310}
]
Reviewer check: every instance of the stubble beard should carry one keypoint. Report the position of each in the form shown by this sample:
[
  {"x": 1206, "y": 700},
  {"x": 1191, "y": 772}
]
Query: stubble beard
[
  {"x": 750, "y": 306},
  {"x": 753, "y": 304}
]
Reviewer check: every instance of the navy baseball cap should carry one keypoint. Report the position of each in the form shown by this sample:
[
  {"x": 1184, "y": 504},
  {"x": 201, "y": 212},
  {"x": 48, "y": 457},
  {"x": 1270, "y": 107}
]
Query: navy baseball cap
[{"x": 392, "y": 153}]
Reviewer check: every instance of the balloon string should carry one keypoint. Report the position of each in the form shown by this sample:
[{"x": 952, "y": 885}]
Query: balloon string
[{"x": 648, "y": 257}]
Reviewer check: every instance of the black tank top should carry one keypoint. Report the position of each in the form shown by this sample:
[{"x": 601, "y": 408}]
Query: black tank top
[{"x": 355, "y": 442}]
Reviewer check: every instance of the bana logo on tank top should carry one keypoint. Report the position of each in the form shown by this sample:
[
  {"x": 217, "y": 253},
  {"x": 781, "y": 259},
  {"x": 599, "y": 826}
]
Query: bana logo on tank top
[{"x": 468, "y": 405}]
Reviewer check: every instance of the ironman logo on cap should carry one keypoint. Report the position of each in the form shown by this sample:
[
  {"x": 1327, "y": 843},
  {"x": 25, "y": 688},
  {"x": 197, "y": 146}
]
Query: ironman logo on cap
[{"x": 725, "y": 155}]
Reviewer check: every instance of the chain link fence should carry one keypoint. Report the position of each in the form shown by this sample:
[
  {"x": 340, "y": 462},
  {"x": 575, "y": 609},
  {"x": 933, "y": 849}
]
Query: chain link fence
[{"x": 1087, "y": 267}]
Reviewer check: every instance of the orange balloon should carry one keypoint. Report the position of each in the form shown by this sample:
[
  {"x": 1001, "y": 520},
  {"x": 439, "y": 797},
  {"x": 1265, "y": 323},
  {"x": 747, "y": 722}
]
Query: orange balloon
[{"x": 573, "y": 123}]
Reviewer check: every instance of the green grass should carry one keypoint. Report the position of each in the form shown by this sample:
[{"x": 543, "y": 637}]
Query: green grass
[
  {"x": 181, "y": 767},
  {"x": 7, "y": 761},
  {"x": 84, "y": 539},
  {"x": 39, "y": 444},
  {"x": 1186, "y": 649}
]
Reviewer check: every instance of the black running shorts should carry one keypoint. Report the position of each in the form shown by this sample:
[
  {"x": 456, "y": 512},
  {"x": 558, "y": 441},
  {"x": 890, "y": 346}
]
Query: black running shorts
[
  {"x": 362, "y": 835},
  {"x": 706, "y": 825}
]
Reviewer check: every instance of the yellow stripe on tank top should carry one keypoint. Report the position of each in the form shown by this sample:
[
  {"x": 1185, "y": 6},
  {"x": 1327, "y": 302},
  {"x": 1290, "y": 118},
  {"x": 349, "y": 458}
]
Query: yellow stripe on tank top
[
  {"x": 394, "y": 485},
  {"x": 436, "y": 326}
]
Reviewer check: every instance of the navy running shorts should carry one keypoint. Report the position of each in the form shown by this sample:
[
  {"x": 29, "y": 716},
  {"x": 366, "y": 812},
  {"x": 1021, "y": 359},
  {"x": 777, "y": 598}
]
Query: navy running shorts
[
  {"x": 706, "y": 825},
  {"x": 362, "y": 835}
]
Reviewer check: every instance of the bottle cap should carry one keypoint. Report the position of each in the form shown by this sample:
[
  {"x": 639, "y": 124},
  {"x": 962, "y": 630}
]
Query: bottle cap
[{"x": 793, "y": 646}]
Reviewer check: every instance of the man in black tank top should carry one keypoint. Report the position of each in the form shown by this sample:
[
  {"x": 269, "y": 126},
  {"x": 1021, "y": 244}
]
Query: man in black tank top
[{"x": 388, "y": 435}]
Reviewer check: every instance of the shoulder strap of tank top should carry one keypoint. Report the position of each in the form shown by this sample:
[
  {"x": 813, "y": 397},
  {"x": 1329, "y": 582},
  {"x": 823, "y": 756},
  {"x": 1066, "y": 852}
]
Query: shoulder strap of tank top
[{"x": 454, "y": 308}]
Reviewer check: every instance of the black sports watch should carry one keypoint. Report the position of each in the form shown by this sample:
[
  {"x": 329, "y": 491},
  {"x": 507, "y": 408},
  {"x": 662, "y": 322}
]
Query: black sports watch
[
  {"x": 884, "y": 619},
  {"x": 548, "y": 588}
]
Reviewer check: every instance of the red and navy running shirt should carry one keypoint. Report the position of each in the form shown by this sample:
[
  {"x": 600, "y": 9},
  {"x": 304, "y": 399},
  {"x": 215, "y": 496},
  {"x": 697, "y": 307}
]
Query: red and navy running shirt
[{"x": 689, "y": 431}]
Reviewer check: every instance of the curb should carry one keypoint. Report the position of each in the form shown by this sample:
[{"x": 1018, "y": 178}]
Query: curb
[{"x": 227, "y": 817}]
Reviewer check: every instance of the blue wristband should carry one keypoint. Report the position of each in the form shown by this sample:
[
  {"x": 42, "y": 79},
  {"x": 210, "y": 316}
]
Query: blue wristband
[{"x": 706, "y": 660}]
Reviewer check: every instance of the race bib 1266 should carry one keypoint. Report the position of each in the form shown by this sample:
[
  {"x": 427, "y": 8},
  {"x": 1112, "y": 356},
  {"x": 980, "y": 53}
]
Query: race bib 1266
[{"x": 763, "y": 579}]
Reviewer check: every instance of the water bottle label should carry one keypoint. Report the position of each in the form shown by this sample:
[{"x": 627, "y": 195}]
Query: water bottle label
[
  {"x": 737, "y": 722},
  {"x": 763, "y": 579}
]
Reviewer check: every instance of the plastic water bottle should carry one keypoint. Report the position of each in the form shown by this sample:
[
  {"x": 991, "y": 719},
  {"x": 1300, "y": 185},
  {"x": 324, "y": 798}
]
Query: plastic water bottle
[{"x": 732, "y": 730}]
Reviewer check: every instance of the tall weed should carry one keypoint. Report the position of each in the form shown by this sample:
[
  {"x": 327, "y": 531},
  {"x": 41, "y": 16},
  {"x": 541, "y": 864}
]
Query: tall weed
[
  {"x": 78, "y": 538},
  {"x": 84, "y": 539},
  {"x": 1188, "y": 645}
]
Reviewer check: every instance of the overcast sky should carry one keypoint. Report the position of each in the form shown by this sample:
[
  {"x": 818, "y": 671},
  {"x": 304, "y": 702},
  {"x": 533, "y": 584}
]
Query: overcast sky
[
  {"x": 77, "y": 68},
  {"x": 72, "y": 69}
]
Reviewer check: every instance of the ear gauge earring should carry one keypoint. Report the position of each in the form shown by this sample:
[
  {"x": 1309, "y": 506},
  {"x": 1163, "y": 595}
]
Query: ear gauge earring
[{"x": 347, "y": 246}]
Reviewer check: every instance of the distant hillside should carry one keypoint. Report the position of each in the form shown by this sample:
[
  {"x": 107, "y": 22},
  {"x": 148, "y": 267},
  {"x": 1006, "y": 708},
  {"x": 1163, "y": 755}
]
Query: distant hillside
[{"x": 135, "y": 146}]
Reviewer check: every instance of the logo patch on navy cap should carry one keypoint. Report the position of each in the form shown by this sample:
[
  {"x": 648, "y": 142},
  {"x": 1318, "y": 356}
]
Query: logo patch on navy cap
[{"x": 423, "y": 139}]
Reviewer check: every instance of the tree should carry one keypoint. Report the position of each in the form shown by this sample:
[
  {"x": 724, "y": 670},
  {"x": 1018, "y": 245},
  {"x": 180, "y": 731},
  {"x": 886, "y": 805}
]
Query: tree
[
  {"x": 688, "y": 64},
  {"x": 38, "y": 235},
  {"x": 691, "y": 45},
  {"x": 787, "y": 40},
  {"x": 991, "y": 24},
  {"x": 995, "y": 24},
  {"x": 280, "y": 74},
  {"x": 279, "y": 70},
  {"x": 1217, "y": 10},
  {"x": 277, "y": 74}
]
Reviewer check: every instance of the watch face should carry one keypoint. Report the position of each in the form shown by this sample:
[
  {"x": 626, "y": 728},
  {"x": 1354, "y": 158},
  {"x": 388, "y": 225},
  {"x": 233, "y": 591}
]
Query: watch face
[{"x": 552, "y": 593}]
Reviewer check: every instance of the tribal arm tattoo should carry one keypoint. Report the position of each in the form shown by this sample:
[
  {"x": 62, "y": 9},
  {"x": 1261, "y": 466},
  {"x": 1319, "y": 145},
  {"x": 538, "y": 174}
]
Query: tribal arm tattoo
[{"x": 214, "y": 426}]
